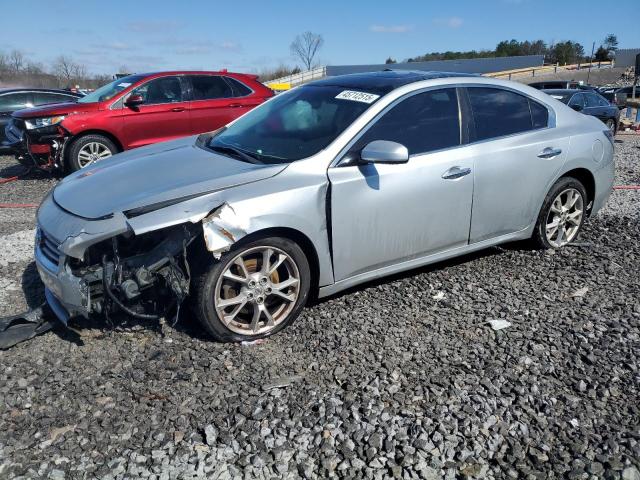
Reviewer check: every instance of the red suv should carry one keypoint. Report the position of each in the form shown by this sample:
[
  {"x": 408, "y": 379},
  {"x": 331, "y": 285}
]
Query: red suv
[{"x": 130, "y": 112}]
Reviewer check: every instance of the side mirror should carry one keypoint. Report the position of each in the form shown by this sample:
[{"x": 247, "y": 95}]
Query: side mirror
[
  {"x": 384, "y": 151},
  {"x": 577, "y": 107},
  {"x": 134, "y": 100}
]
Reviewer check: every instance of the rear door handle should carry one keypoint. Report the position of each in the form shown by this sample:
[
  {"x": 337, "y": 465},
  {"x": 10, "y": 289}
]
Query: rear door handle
[
  {"x": 549, "y": 152},
  {"x": 456, "y": 172},
  {"x": 177, "y": 109},
  {"x": 235, "y": 105}
]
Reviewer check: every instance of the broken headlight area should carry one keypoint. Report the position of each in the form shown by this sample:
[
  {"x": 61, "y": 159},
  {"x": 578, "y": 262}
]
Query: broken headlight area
[
  {"x": 145, "y": 276},
  {"x": 38, "y": 141}
]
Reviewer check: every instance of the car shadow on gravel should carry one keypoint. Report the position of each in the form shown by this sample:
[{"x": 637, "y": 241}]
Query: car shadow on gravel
[
  {"x": 188, "y": 325},
  {"x": 431, "y": 268}
]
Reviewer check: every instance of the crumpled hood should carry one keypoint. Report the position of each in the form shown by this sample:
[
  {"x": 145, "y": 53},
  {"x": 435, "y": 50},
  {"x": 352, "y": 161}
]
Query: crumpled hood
[
  {"x": 54, "y": 109},
  {"x": 152, "y": 175}
]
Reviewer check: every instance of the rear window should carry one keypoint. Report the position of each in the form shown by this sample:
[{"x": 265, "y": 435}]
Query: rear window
[{"x": 499, "y": 112}]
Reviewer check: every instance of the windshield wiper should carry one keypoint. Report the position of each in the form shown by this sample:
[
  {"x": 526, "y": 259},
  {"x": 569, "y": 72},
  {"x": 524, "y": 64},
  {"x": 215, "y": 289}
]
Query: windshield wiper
[{"x": 236, "y": 152}]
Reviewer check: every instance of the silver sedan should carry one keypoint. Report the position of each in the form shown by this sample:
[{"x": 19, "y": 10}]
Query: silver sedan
[{"x": 327, "y": 186}]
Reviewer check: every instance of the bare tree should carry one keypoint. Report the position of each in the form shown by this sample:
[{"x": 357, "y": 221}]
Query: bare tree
[
  {"x": 305, "y": 47},
  {"x": 67, "y": 71},
  {"x": 4, "y": 63},
  {"x": 15, "y": 60}
]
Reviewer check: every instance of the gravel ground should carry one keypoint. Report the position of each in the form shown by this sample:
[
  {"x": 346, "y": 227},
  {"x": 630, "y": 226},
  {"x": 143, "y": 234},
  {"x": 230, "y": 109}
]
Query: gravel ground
[{"x": 401, "y": 379}]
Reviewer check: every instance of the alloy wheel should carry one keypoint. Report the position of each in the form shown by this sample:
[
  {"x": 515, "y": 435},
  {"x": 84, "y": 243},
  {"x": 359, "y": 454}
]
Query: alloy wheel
[
  {"x": 257, "y": 290},
  {"x": 564, "y": 217},
  {"x": 92, "y": 152}
]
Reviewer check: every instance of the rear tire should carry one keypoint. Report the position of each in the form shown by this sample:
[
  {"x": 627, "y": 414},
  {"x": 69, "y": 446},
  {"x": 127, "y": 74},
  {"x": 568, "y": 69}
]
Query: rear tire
[
  {"x": 240, "y": 297},
  {"x": 562, "y": 214},
  {"x": 87, "y": 150}
]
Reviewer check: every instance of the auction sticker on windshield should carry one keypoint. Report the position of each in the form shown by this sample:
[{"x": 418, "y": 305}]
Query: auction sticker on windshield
[{"x": 357, "y": 96}]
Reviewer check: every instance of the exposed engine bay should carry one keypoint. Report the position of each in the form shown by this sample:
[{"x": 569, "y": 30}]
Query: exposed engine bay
[{"x": 144, "y": 276}]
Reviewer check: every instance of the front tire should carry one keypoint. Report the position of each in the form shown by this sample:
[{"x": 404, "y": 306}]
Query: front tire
[
  {"x": 87, "y": 150},
  {"x": 611, "y": 125},
  {"x": 562, "y": 214},
  {"x": 254, "y": 290}
]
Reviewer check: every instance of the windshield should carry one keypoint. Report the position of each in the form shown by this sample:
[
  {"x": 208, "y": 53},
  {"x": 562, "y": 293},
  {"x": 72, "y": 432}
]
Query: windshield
[
  {"x": 110, "y": 90},
  {"x": 294, "y": 125}
]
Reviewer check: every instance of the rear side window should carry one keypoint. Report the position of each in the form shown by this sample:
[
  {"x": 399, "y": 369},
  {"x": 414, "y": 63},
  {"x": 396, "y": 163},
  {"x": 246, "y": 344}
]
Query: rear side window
[
  {"x": 15, "y": 101},
  {"x": 500, "y": 112},
  {"x": 42, "y": 98},
  {"x": 423, "y": 123},
  {"x": 239, "y": 88},
  {"x": 539, "y": 115},
  {"x": 210, "y": 87}
]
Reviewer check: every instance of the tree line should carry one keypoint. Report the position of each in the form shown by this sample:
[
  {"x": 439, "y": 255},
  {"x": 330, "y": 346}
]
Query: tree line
[
  {"x": 64, "y": 72},
  {"x": 562, "y": 53}
]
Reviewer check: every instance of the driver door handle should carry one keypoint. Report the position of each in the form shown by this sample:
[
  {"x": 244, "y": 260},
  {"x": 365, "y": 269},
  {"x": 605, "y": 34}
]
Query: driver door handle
[
  {"x": 177, "y": 109},
  {"x": 549, "y": 152},
  {"x": 456, "y": 172},
  {"x": 235, "y": 105}
]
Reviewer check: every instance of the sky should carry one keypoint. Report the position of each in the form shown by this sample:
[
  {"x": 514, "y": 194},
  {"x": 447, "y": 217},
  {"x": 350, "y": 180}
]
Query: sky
[{"x": 249, "y": 36}]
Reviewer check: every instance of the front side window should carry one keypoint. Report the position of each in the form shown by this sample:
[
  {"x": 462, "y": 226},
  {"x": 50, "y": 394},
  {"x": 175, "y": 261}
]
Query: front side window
[
  {"x": 160, "y": 90},
  {"x": 294, "y": 125},
  {"x": 11, "y": 102},
  {"x": 423, "y": 123},
  {"x": 210, "y": 87},
  {"x": 499, "y": 112},
  {"x": 110, "y": 90}
]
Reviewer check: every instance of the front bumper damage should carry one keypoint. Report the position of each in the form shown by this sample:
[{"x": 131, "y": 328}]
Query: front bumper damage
[
  {"x": 41, "y": 147},
  {"x": 101, "y": 267},
  {"x": 144, "y": 277}
]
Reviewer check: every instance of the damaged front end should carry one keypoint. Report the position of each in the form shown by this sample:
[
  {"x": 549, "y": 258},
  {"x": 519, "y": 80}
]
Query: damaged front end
[
  {"x": 145, "y": 276},
  {"x": 34, "y": 145}
]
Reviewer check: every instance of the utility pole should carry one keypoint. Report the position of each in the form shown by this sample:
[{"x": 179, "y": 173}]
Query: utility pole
[{"x": 590, "y": 60}]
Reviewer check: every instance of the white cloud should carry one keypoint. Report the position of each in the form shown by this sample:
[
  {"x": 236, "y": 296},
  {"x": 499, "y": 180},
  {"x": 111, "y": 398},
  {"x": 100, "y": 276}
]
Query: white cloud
[
  {"x": 116, "y": 46},
  {"x": 451, "y": 22},
  {"x": 390, "y": 28},
  {"x": 229, "y": 46},
  {"x": 153, "y": 26},
  {"x": 204, "y": 47}
]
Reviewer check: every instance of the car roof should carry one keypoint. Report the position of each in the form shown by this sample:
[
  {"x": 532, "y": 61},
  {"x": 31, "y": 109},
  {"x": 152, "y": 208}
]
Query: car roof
[
  {"x": 565, "y": 91},
  {"x": 383, "y": 81},
  {"x": 191, "y": 72},
  {"x": 48, "y": 90}
]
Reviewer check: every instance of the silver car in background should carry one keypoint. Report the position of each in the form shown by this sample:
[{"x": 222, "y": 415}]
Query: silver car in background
[{"x": 327, "y": 186}]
